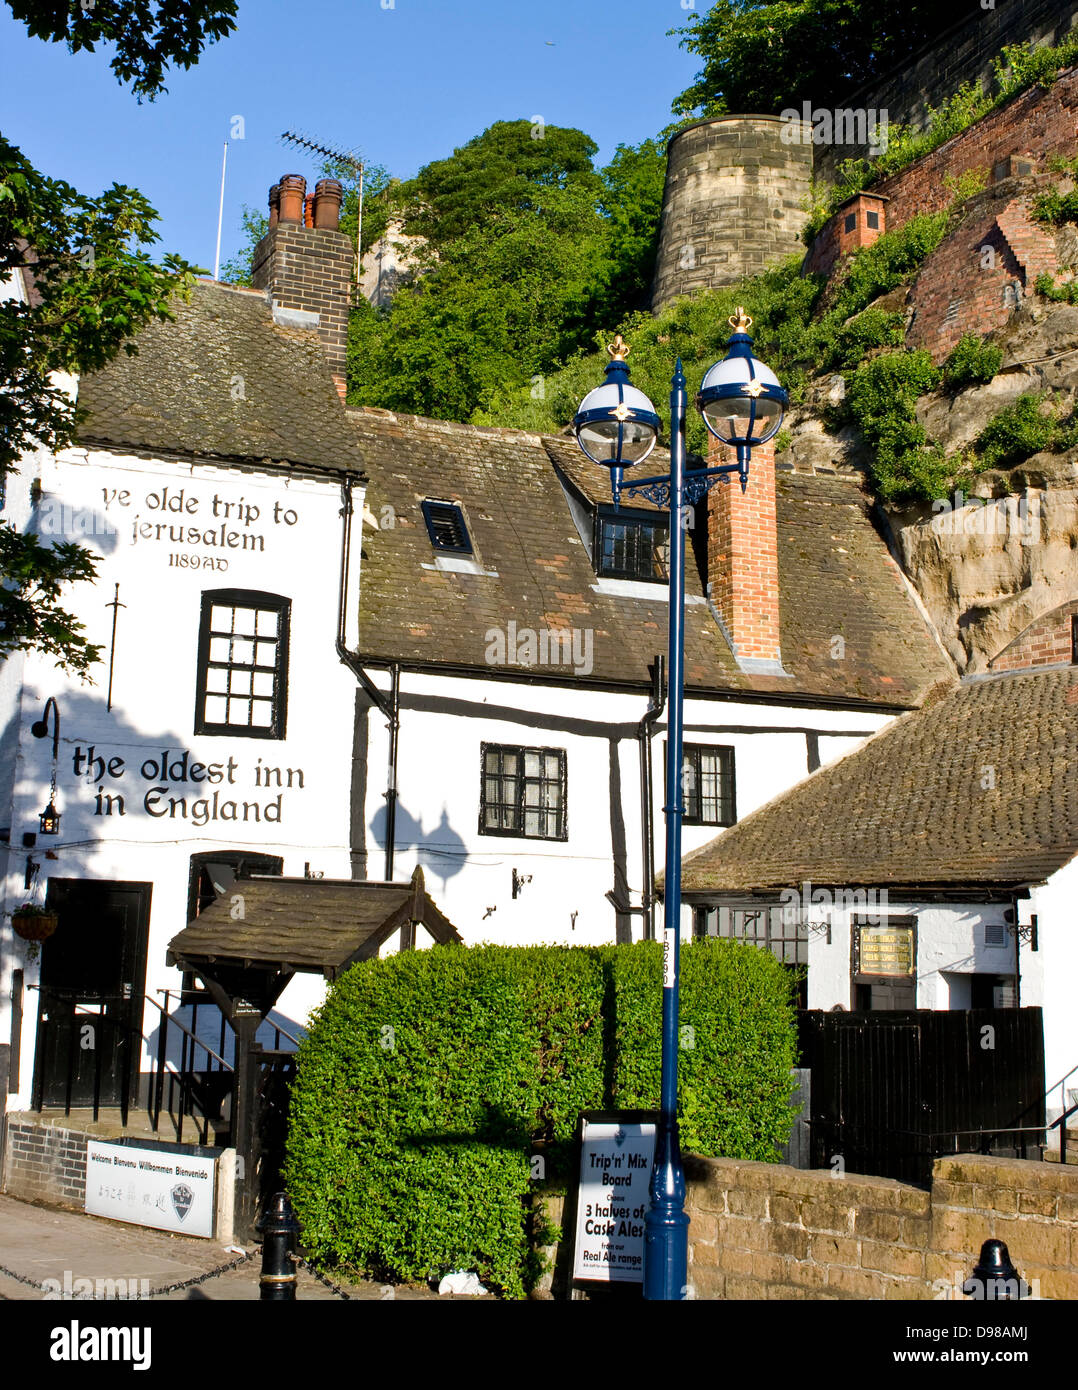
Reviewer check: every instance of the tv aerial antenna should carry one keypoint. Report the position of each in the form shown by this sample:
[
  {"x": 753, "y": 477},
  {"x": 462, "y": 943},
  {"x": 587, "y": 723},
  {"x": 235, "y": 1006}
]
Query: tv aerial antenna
[{"x": 347, "y": 157}]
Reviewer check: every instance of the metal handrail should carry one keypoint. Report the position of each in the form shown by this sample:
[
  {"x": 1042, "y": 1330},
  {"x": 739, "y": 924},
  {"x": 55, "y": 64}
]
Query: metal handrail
[
  {"x": 191, "y": 1040},
  {"x": 175, "y": 1023},
  {"x": 1061, "y": 1125},
  {"x": 282, "y": 1032}
]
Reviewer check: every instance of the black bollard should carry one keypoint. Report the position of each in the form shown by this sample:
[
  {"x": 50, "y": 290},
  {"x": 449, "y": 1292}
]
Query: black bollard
[
  {"x": 994, "y": 1277},
  {"x": 279, "y": 1229}
]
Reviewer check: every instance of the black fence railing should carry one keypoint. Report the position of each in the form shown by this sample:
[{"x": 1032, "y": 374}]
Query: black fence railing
[{"x": 892, "y": 1091}]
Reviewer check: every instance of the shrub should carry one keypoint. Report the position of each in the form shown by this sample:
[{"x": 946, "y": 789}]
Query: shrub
[
  {"x": 971, "y": 362},
  {"x": 737, "y": 1044},
  {"x": 873, "y": 328},
  {"x": 1054, "y": 208},
  {"x": 1059, "y": 294},
  {"x": 1019, "y": 431},
  {"x": 1019, "y": 67},
  {"x": 881, "y": 400},
  {"x": 890, "y": 261},
  {"x": 428, "y": 1078}
]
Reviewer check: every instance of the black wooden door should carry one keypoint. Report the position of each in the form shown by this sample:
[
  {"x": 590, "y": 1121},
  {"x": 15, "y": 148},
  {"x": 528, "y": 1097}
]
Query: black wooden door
[{"x": 93, "y": 979}]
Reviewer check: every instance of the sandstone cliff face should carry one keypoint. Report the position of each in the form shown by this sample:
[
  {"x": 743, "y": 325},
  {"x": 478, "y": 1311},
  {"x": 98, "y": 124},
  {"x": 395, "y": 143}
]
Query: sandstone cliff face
[{"x": 985, "y": 565}]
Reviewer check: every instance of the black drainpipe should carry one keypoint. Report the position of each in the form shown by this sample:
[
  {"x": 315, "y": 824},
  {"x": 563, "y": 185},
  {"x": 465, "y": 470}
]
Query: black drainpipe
[
  {"x": 656, "y": 704},
  {"x": 389, "y": 707}
]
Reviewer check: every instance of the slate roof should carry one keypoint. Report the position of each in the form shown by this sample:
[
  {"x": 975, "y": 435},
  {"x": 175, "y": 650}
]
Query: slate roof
[
  {"x": 908, "y": 806},
  {"x": 837, "y": 577},
  {"x": 317, "y": 925},
  {"x": 224, "y": 382}
]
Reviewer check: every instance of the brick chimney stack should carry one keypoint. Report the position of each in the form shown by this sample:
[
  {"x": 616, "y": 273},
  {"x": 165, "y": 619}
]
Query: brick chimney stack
[
  {"x": 307, "y": 264},
  {"x": 743, "y": 559}
]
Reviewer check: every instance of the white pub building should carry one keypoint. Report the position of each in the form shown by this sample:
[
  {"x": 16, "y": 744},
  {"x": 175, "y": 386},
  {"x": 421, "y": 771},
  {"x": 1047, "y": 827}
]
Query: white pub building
[{"x": 212, "y": 480}]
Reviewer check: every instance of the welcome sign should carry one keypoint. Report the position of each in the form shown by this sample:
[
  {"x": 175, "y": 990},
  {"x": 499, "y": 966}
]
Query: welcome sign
[{"x": 151, "y": 1187}]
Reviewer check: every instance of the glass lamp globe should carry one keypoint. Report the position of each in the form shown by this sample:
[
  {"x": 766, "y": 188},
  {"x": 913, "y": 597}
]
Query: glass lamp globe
[
  {"x": 616, "y": 424},
  {"x": 740, "y": 398}
]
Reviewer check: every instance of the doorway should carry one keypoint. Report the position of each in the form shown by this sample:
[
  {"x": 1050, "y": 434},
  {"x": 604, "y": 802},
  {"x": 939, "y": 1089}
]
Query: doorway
[
  {"x": 93, "y": 981},
  {"x": 883, "y": 964}
]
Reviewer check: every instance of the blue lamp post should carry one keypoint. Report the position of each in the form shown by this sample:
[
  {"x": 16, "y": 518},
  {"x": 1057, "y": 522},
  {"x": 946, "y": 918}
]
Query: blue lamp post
[{"x": 742, "y": 404}]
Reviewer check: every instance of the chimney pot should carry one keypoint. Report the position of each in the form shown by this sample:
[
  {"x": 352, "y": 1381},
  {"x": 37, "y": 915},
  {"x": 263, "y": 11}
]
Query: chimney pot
[
  {"x": 293, "y": 191},
  {"x": 274, "y": 204},
  {"x": 308, "y": 210},
  {"x": 328, "y": 195}
]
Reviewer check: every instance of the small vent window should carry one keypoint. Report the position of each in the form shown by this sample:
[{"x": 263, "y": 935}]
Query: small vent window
[
  {"x": 872, "y": 220},
  {"x": 995, "y": 934},
  {"x": 851, "y": 221},
  {"x": 446, "y": 528}
]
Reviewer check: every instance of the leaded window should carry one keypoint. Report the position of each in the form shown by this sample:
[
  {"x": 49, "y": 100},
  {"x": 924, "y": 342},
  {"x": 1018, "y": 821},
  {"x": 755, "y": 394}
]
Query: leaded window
[
  {"x": 243, "y": 664},
  {"x": 770, "y": 926},
  {"x": 707, "y": 784},
  {"x": 633, "y": 548},
  {"x": 523, "y": 792}
]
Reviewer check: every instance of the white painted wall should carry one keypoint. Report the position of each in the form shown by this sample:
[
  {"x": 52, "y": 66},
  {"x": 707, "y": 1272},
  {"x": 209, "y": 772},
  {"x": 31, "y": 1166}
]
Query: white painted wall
[
  {"x": 1050, "y": 973},
  {"x": 145, "y": 836},
  {"x": 950, "y": 945},
  {"x": 444, "y": 722}
]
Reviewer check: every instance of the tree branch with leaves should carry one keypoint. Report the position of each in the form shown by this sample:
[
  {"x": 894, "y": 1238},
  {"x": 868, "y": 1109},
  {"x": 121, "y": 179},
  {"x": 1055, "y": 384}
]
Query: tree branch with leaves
[{"x": 91, "y": 287}]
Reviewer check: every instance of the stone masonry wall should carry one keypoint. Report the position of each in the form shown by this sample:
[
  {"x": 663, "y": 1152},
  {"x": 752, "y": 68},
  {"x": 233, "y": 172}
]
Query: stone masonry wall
[
  {"x": 964, "y": 53},
  {"x": 734, "y": 203},
  {"x": 765, "y": 1231}
]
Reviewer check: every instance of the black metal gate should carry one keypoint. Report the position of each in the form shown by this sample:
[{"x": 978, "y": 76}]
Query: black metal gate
[{"x": 892, "y": 1091}]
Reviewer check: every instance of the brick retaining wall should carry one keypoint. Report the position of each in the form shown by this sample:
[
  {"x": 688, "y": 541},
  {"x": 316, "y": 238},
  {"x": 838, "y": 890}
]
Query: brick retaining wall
[{"x": 45, "y": 1163}]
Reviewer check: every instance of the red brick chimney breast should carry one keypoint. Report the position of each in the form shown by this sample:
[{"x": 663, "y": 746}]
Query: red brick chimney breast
[{"x": 743, "y": 555}]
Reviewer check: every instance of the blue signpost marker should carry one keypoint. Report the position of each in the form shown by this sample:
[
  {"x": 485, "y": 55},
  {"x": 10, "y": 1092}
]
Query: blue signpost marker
[{"x": 742, "y": 404}]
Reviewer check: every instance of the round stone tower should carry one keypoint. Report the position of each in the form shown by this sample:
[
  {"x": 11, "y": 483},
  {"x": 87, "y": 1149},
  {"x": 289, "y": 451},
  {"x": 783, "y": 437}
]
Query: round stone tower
[{"x": 735, "y": 200}]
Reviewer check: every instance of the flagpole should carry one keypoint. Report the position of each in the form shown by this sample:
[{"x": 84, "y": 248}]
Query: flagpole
[{"x": 220, "y": 214}]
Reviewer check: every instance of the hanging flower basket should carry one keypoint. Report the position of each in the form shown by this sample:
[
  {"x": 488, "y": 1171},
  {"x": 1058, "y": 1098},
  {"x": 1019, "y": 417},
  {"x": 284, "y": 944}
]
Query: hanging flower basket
[{"x": 34, "y": 923}]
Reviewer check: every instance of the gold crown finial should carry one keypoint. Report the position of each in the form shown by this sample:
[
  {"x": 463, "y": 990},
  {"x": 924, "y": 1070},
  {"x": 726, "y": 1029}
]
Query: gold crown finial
[
  {"x": 619, "y": 349},
  {"x": 739, "y": 321}
]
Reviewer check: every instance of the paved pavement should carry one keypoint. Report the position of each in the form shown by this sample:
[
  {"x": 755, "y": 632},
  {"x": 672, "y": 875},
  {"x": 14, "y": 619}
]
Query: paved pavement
[{"x": 40, "y": 1243}]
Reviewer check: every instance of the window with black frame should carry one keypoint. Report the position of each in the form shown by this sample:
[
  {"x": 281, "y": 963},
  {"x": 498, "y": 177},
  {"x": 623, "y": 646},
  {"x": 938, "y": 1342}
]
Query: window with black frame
[
  {"x": 242, "y": 664},
  {"x": 523, "y": 792},
  {"x": 769, "y": 926},
  {"x": 707, "y": 785},
  {"x": 632, "y": 547}
]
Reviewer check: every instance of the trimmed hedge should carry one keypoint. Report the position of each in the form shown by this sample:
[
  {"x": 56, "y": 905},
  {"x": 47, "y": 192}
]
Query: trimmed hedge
[{"x": 430, "y": 1080}]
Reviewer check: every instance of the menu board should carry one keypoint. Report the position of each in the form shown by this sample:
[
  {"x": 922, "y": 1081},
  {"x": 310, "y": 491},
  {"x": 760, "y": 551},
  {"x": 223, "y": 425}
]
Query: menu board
[{"x": 886, "y": 950}]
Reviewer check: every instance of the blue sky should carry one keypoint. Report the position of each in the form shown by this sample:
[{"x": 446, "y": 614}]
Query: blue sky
[{"x": 404, "y": 84}]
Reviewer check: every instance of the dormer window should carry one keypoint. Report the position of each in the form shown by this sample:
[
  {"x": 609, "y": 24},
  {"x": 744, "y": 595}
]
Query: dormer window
[
  {"x": 446, "y": 527},
  {"x": 632, "y": 546}
]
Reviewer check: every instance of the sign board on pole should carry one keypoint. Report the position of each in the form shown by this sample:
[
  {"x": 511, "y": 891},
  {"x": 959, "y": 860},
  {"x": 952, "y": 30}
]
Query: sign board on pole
[
  {"x": 616, "y": 1155},
  {"x": 151, "y": 1187}
]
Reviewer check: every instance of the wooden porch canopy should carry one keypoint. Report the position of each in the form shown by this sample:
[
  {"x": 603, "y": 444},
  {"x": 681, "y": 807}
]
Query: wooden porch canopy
[{"x": 250, "y": 942}]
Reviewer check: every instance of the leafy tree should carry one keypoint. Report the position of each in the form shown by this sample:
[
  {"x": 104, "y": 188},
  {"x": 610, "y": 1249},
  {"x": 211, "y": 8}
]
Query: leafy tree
[
  {"x": 766, "y": 55},
  {"x": 503, "y": 303},
  {"x": 529, "y": 251},
  {"x": 514, "y": 166},
  {"x": 148, "y": 34},
  {"x": 237, "y": 269},
  {"x": 93, "y": 289},
  {"x": 631, "y": 201}
]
